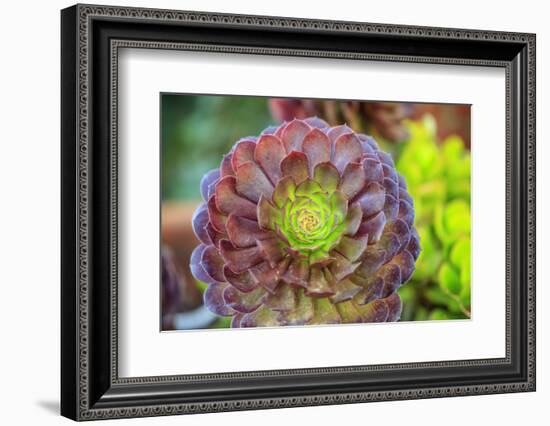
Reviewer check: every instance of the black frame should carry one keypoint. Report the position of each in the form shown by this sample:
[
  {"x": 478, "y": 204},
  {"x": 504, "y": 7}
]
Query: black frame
[{"x": 90, "y": 38}]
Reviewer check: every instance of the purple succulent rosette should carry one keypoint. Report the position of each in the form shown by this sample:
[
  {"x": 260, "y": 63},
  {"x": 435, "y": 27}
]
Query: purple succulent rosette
[{"x": 305, "y": 224}]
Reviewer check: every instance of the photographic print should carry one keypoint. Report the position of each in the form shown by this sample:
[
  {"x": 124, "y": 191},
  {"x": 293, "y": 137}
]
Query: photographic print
[{"x": 293, "y": 212}]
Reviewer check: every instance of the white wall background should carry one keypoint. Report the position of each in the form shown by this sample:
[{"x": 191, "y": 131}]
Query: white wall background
[{"x": 29, "y": 212}]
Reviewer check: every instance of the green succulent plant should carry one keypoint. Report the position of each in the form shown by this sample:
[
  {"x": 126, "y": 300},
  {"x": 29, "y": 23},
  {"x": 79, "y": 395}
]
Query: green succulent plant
[{"x": 438, "y": 178}]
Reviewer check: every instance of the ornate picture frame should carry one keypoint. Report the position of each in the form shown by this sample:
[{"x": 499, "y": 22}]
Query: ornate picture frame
[{"x": 91, "y": 37}]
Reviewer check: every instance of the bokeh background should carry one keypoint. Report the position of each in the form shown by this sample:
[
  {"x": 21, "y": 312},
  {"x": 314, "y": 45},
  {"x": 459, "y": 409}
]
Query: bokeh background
[{"x": 430, "y": 144}]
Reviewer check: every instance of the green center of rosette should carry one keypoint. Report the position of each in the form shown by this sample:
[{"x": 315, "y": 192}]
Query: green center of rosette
[
  {"x": 309, "y": 221},
  {"x": 310, "y": 217}
]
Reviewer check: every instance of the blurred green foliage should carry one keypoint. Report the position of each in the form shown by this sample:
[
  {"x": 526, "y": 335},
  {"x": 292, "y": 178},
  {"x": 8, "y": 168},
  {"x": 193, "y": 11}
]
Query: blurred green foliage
[
  {"x": 438, "y": 177},
  {"x": 197, "y": 131}
]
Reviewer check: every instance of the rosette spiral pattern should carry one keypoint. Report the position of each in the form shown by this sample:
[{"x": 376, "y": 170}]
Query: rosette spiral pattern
[{"x": 305, "y": 224}]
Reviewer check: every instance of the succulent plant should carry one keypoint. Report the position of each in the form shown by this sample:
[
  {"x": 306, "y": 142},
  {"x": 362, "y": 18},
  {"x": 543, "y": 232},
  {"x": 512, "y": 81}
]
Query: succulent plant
[
  {"x": 305, "y": 224},
  {"x": 382, "y": 119},
  {"x": 439, "y": 176}
]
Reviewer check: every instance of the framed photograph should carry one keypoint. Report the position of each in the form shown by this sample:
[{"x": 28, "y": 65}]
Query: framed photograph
[{"x": 263, "y": 212}]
